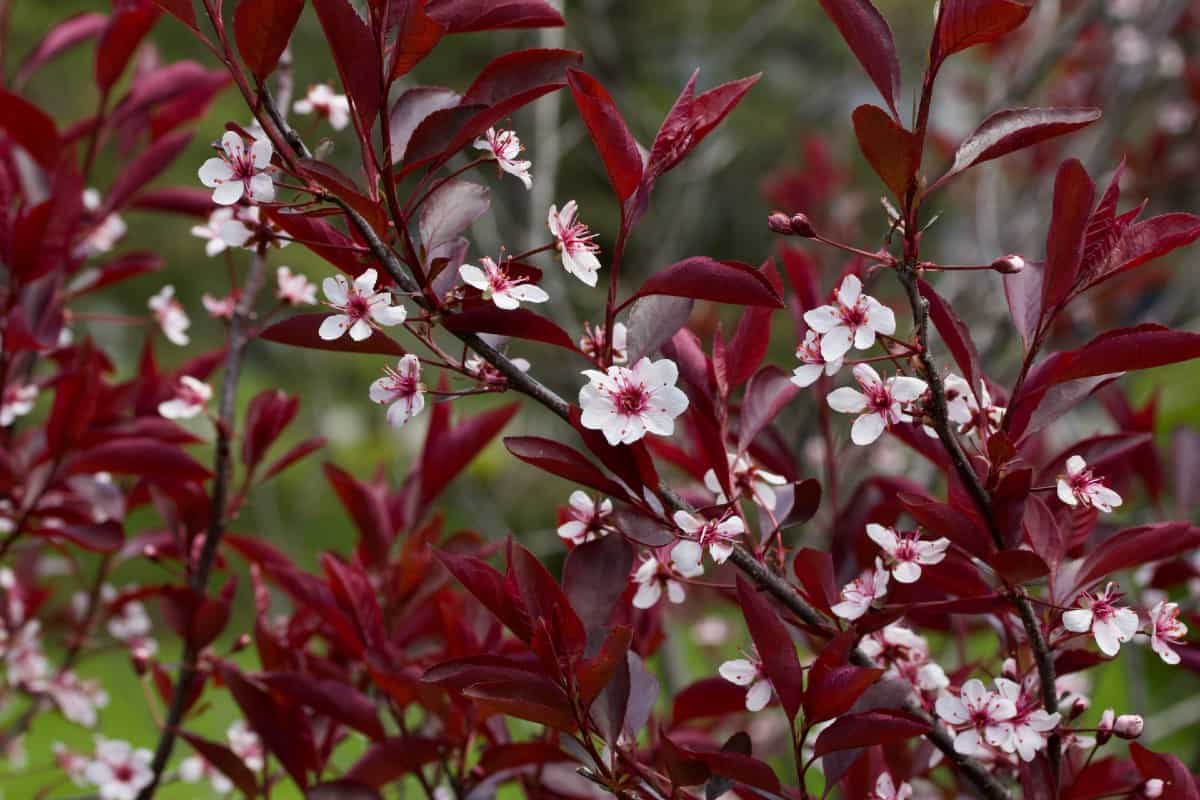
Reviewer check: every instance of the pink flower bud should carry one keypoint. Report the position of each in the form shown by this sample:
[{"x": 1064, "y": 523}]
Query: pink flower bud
[
  {"x": 1009, "y": 265},
  {"x": 801, "y": 226},
  {"x": 1104, "y": 729},
  {"x": 1152, "y": 788},
  {"x": 1129, "y": 726},
  {"x": 779, "y": 223},
  {"x": 1079, "y": 707}
]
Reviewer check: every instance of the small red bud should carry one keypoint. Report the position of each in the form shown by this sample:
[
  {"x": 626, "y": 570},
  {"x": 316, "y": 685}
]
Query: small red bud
[
  {"x": 1129, "y": 726},
  {"x": 779, "y": 223},
  {"x": 1009, "y": 265},
  {"x": 801, "y": 226}
]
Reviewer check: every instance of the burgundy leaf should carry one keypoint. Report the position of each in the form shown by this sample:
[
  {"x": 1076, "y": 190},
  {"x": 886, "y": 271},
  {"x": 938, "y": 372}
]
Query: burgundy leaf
[
  {"x": 182, "y": 10},
  {"x": 834, "y": 685},
  {"x": 416, "y": 34},
  {"x": 284, "y": 729},
  {"x": 870, "y": 39},
  {"x": 595, "y": 576},
  {"x": 30, "y": 127},
  {"x": 966, "y": 23},
  {"x": 814, "y": 568},
  {"x": 127, "y": 26},
  {"x": 1178, "y": 781},
  {"x": 300, "y": 330},
  {"x": 609, "y": 134},
  {"x": 1143, "y": 242},
  {"x": 561, "y": 460},
  {"x": 889, "y": 148},
  {"x": 62, "y": 37},
  {"x": 1014, "y": 129},
  {"x": 225, "y": 761},
  {"x": 449, "y": 449},
  {"x": 465, "y": 16},
  {"x": 268, "y": 414},
  {"x": 323, "y": 239},
  {"x": 411, "y": 109},
  {"x": 491, "y": 589},
  {"x": 1074, "y": 196},
  {"x": 768, "y": 393},
  {"x": 654, "y": 320},
  {"x": 707, "y": 697},
  {"x": 1018, "y": 566},
  {"x": 703, "y": 278},
  {"x": 519, "y": 323},
  {"x": 1133, "y": 547},
  {"x": 367, "y": 506},
  {"x": 691, "y": 119},
  {"x": 537, "y": 701},
  {"x": 334, "y": 699},
  {"x": 393, "y": 758},
  {"x": 262, "y": 29},
  {"x": 146, "y": 167},
  {"x": 359, "y": 62},
  {"x": 99, "y": 537},
  {"x": 954, "y": 333},
  {"x": 869, "y": 728},
  {"x": 148, "y": 458},
  {"x": 774, "y": 645},
  {"x": 518, "y": 72},
  {"x": 1121, "y": 350}
]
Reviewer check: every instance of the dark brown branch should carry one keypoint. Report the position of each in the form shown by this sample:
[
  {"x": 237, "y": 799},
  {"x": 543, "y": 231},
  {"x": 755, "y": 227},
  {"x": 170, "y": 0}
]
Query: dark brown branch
[{"x": 222, "y": 469}]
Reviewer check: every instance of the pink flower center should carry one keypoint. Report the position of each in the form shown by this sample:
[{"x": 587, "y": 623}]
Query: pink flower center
[
  {"x": 906, "y": 549},
  {"x": 243, "y": 166},
  {"x": 123, "y": 773},
  {"x": 400, "y": 385},
  {"x": 879, "y": 399},
  {"x": 358, "y": 306},
  {"x": 631, "y": 399},
  {"x": 1103, "y": 611},
  {"x": 854, "y": 316}
]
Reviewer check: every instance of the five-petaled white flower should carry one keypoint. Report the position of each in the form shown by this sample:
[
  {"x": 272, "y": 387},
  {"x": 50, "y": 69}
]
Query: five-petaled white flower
[
  {"x": 227, "y": 227},
  {"x": 812, "y": 363},
  {"x": 1166, "y": 631},
  {"x": 324, "y": 102},
  {"x": 401, "y": 389},
  {"x": 879, "y": 405},
  {"x": 906, "y": 655},
  {"x": 191, "y": 395},
  {"x": 79, "y": 700},
  {"x": 294, "y": 288},
  {"x": 747, "y": 478},
  {"x": 574, "y": 243},
  {"x": 852, "y": 319},
  {"x": 502, "y": 288},
  {"x": 1026, "y": 732},
  {"x": 625, "y": 404},
  {"x": 860, "y": 593},
  {"x": 980, "y": 714},
  {"x": 1079, "y": 487},
  {"x": 586, "y": 519},
  {"x": 886, "y": 789},
  {"x": 719, "y": 536},
  {"x": 504, "y": 147},
  {"x": 361, "y": 306},
  {"x": 170, "y": 316},
  {"x": 239, "y": 172},
  {"x": 653, "y": 576},
  {"x": 906, "y": 551},
  {"x": 1111, "y": 624},
  {"x": 16, "y": 401},
  {"x": 749, "y": 672},
  {"x": 118, "y": 771},
  {"x": 592, "y": 343}
]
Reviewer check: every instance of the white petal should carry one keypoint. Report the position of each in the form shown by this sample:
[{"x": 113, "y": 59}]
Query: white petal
[
  {"x": 336, "y": 290},
  {"x": 214, "y": 172},
  {"x": 836, "y": 343},
  {"x": 952, "y": 709},
  {"x": 473, "y": 276},
  {"x": 866, "y": 429},
  {"x": 806, "y": 375},
  {"x": 365, "y": 282},
  {"x": 647, "y": 595},
  {"x": 388, "y": 315},
  {"x": 758, "y": 696},
  {"x": 821, "y": 319},
  {"x": 739, "y": 671},
  {"x": 228, "y": 193},
  {"x": 1077, "y": 620},
  {"x": 360, "y": 330},
  {"x": 883, "y": 536},
  {"x": 332, "y": 327},
  {"x": 850, "y": 290},
  {"x": 1076, "y": 465},
  {"x": 1066, "y": 494},
  {"x": 847, "y": 400},
  {"x": 907, "y": 389},
  {"x": 262, "y": 188},
  {"x": 261, "y": 152},
  {"x": 906, "y": 572}
]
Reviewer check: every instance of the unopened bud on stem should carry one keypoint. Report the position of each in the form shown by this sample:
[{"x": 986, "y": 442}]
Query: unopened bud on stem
[
  {"x": 780, "y": 223},
  {"x": 802, "y": 226},
  {"x": 1009, "y": 265},
  {"x": 1129, "y": 726}
]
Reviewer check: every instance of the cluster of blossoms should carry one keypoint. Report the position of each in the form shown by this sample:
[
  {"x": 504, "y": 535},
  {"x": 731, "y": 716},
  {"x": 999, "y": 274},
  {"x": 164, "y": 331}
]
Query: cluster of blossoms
[
  {"x": 1007, "y": 720},
  {"x": 1112, "y": 625},
  {"x": 905, "y": 655}
]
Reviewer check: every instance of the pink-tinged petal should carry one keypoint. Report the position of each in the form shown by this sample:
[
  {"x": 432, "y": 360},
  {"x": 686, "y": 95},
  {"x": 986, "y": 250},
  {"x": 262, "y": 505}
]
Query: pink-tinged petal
[
  {"x": 528, "y": 293},
  {"x": 686, "y": 522},
  {"x": 883, "y": 536},
  {"x": 866, "y": 376},
  {"x": 553, "y": 222},
  {"x": 850, "y": 290},
  {"x": 582, "y": 502},
  {"x": 214, "y": 172},
  {"x": 881, "y": 318},
  {"x": 1066, "y": 494},
  {"x": 365, "y": 282},
  {"x": 673, "y": 401},
  {"x": 1076, "y": 465},
  {"x": 388, "y": 315},
  {"x": 262, "y": 188},
  {"x": 1103, "y": 498},
  {"x": 686, "y": 556},
  {"x": 835, "y": 343},
  {"x": 228, "y": 193},
  {"x": 380, "y": 391},
  {"x": 831, "y": 367},
  {"x": 1000, "y": 708},
  {"x": 1164, "y": 651},
  {"x": 738, "y": 671},
  {"x": 847, "y": 401},
  {"x": 505, "y": 300},
  {"x": 336, "y": 290},
  {"x": 1108, "y": 637},
  {"x": 658, "y": 423},
  {"x": 758, "y": 696},
  {"x": 1127, "y": 623},
  {"x": 473, "y": 276},
  {"x": 806, "y": 375},
  {"x": 866, "y": 429},
  {"x": 864, "y": 338},
  {"x": 646, "y": 571},
  {"x": 974, "y": 694},
  {"x": 821, "y": 319},
  {"x": 732, "y": 527},
  {"x": 233, "y": 145},
  {"x": 720, "y": 552},
  {"x": 969, "y": 743},
  {"x": 1077, "y": 620},
  {"x": 360, "y": 330},
  {"x": 907, "y": 389},
  {"x": 332, "y": 327},
  {"x": 906, "y": 572},
  {"x": 952, "y": 709},
  {"x": 647, "y": 595},
  {"x": 675, "y": 592},
  {"x": 261, "y": 152}
]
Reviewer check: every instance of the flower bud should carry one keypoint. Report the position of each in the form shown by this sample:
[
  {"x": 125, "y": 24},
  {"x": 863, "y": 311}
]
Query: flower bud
[
  {"x": 801, "y": 226},
  {"x": 1079, "y": 707},
  {"x": 1009, "y": 265},
  {"x": 779, "y": 223},
  {"x": 1152, "y": 788},
  {"x": 1104, "y": 730},
  {"x": 241, "y": 643},
  {"x": 1129, "y": 726},
  {"x": 1009, "y": 668}
]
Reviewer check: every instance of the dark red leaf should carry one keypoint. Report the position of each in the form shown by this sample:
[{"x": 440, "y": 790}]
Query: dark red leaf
[
  {"x": 31, "y": 128},
  {"x": 464, "y": 16},
  {"x": 1014, "y": 129},
  {"x": 966, "y": 23},
  {"x": 768, "y": 393},
  {"x": 869, "y": 728},
  {"x": 358, "y": 59},
  {"x": 300, "y": 330},
  {"x": 870, "y": 39},
  {"x": 1125, "y": 349},
  {"x": 1023, "y": 291},
  {"x": 1018, "y": 566},
  {"x": 518, "y": 72},
  {"x": 148, "y": 458},
  {"x": 889, "y": 148},
  {"x": 268, "y": 414},
  {"x": 225, "y": 761},
  {"x": 62, "y": 37},
  {"x": 708, "y": 697},
  {"x": 127, "y": 26},
  {"x": 1074, "y": 196},
  {"x": 595, "y": 576},
  {"x": 284, "y": 729},
  {"x": 519, "y": 323},
  {"x": 616, "y": 145},
  {"x": 691, "y": 119},
  {"x": 337, "y": 700},
  {"x": 262, "y": 29},
  {"x": 702, "y": 278},
  {"x": 1133, "y": 547},
  {"x": 99, "y": 537},
  {"x": 834, "y": 685},
  {"x": 814, "y": 568},
  {"x": 415, "y": 35},
  {"x": 305, "y": 448},
  {"x": 559, "y": 459},
  {"x": 954, "y": 333},
  {"x": 546, "y": 602},
  {"x": 536, "y": 701},
  {"x": 491, "y": 589},
  {"x": 182, "y": 10},
  {"x": 393, "y": 758},
  {"x": 445, "y": 455},
  {"x": 367, "y": 506},
  {"x": 1143, "y": 242},
  {"x": 146, "y": 167},
  {"x": 774, "y": 645}
]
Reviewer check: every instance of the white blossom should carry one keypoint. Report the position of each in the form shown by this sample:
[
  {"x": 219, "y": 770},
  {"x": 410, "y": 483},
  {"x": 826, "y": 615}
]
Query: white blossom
[
  {"x": 1166, "y": 631},
  {"x": 906, "y": 551},
  {"x": 324, "y": 102},
  {"x": 860, "y": 593},
  {"x": 17, "y": 401},
  {"x": 627, "y": 403},
  {"x": 852, "y": 320},
  {"x": 1080, "y": 488},
  {"x": 812, "y": 363},
  {"x": 979, "y": 714},
  {"x": 361, "y": 307},
  {"x": 499, "y": 286},
  {"x": 574, "y": 243},
  {"x": 191, "y": 395},
  {"x": 586, "y": 519},
  {"x": 1111, "y": 624},
  {"x": 749, "y": 672},
  {"x": 401, "y": 390},
  {"x": 879, "y": 405},
  {"x": 719, "y": 536},
  {"x": 294, "y": 288},
  {"x": 170, "y": 316},
  {"x": 237, "y": 172},
  {"x": 505, "y": 147}
]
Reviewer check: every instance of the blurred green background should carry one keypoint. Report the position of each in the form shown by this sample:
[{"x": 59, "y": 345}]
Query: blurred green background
[{"x": 713, "y": 205}]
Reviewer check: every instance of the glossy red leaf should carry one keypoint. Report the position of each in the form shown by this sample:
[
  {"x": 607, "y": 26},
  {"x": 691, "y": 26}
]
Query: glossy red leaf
[
  {"x": 1074, "y": 196},
  {"x": 300, "y": 330},
  {"x": 815, "y": 570},
  {"x": 707, "y": 697},
  {"x": 1023, "y": 291},
  {"x": 411, "y": 108},
  {"x": 1124, "y": 349},
  {"x": 298, "y": 452},
  {"x": 465, "y": 16},
  {"x": 870, "y": 39},
  {"x": 966, "y": 23},
  {"x": 774, "y": 645},
  {"x": 518, "y": 72},
  {"x": 616, "y": 145},
  {"x": 225, "y": 761},
  {"x": 128, "y": 24},
  {"x": 147, "y": 166},
  {"x": 367, "y": 506},
  {"x": 262, "y": 29},
  {"x": 391, "y": 759},
  {"x": 337, "y": 700},
  {"x": 506, "y": 756},
  {"x": 491, "y": 589},
  {"x": 834, "y": 685},
  {"x": 121, "y": 268},
  {"x": 148, "y": 458},
  {"x": 642, "y": 529},
  {"x": 767, "y": 394},
  {"x": 1018, "y": 566},
  {"x": 867, "y": 729},
  {"x": 30, "y": 127},
  {"x": 1133, "y": 547},
  {"x": 1178, "y": 781},
  {"x": 414, "y": 35},
  {"x": 691, "y": 119},
  {"x": 561, "y": 460},
  {"x": 1141, "y": 242},
  {"x": 942, "y": 519},
  {"x": 449, "y": 450},
  {"x": 284, "y": 730},
  {"x": 459, "y": 673},
  {"x": 270, "y": 411},
  {"x": 63, "y": 36},
  {"x": 890, "y": 149},
  {"x": 519, "y": 323},
  {"x": 546, "y": 602},
  {"x": 595, "y": 576},
  {"x": 1013, "y": 129},
  {"x": 99, "y": 537},
  {"x": 359, "y": 62},
  {"x": 182, "y": 10},
  {"x": 536, "y": 701},
  {"x": 653, "y": 320},
  {"x": 702, "y": 278},
  {"x": 323, "y": 239}
]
